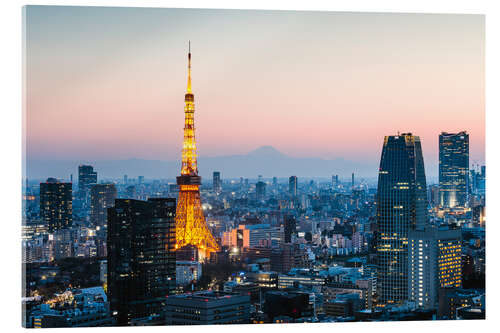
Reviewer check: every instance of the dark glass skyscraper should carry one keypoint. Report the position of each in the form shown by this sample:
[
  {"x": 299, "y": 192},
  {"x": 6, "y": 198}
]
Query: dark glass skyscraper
[
  {"x": 102, "y": 197},
  {"x": 453, "y": 169},
  {"x": 290, "y": 227},
  {"x": 141, "y": 257},
  {"x": 86, "y": 178},
  {"x": 401, "y": 207},
  {"x": 56, "y": 204},
  {"x": 292, "y": 185},
  {"x": 217, "y": 183}
]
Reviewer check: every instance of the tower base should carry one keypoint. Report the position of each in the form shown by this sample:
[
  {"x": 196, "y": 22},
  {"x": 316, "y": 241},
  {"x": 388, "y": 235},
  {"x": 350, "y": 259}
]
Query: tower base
[{"x": 190, "y": 224}]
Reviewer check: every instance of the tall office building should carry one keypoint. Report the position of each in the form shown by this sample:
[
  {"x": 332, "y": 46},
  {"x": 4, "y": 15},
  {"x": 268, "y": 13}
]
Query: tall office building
[
  {"x": 352, "y": 180},
  {"x": 434, "y": 195},
  {"x": 401, "y": 207},
  {"x": 290, "y": 227},
  {"x": 86, "y": 178},
  {"x": 141, "y": 257},
  {"x": 260, "y": 190},
  {"x": 434, "y": 261},
  {"x": 481, "y": 181},
  {"x": 335, "y": 181},
  {"x": 102, "y": 197},
  {"x": 56, "y": 204},
  {"x": 453, "y": 169},
  {"x": 292, "y": 186},
  {"x": 217, "y": 183}
]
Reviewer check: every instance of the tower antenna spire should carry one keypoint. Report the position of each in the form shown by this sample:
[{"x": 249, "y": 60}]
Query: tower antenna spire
[{"x": 189, "y": 68}]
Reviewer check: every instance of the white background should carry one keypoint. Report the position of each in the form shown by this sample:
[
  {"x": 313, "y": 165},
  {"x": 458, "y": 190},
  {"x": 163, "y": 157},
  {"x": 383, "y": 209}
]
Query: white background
[{"x": 11, "y": 158}]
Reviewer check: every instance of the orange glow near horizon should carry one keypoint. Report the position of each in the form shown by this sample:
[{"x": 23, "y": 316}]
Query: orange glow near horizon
[{"x": 310, "y": 84}]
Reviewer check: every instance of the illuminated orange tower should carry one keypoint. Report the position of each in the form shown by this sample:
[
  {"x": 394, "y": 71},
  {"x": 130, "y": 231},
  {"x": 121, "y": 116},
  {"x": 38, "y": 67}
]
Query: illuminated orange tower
[{"x": 190, "y": 224}]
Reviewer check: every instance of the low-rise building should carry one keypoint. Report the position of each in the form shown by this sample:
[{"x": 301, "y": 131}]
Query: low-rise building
[
  {"x": 87, "y": 307},
  {"x": 207, "y": 308}
]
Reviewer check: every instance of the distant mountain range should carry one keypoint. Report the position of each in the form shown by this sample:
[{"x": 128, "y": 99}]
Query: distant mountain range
[{"x": 265, "y": 161}]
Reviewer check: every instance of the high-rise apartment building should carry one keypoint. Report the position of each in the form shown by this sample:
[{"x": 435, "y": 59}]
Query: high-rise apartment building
[
  {"x": 141, "y": 257},
  {"x": 102, "y": 197},
  {"x": 401, "y": 207},
  {"x": 449, "y": 263},
  {"x": 56, "y": 204},
  {"x": 453, "y": 169},
  {"x": 434, "y": 261}
]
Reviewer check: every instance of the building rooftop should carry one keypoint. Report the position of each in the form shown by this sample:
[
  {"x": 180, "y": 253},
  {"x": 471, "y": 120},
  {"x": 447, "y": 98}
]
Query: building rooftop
[{"x": 206, "y": 295}]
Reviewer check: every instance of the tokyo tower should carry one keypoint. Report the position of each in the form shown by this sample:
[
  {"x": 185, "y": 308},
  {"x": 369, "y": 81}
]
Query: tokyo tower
[{"x": 190, "y": 225}]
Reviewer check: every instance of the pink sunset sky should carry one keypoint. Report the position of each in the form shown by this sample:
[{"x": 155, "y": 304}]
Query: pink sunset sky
[{"x": 109, "y": 83}]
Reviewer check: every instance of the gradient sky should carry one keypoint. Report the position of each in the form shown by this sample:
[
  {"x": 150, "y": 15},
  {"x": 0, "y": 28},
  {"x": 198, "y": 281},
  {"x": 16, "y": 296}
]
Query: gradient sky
[{"x": 109, "y": 83}]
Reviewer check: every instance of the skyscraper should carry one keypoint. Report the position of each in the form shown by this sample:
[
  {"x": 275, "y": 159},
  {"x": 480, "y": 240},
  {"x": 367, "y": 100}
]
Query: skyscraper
[
  {"x": 102, "y": 197},
  {"x": 260, "y": 190},
  {"x": 453, "y": 169},
  {"x": 217, "y": 183},
  {"x": 141, "y": 257},
  {"x": 434, "y": 195},
  {"x": 481, "y": 181},
  {"x": 401, "y": 207},
  {"x": 56, "y": 204},
  {"x": 86, "y": 178},
  {"x": 290, "y": 227},
  {"x": 292, "y": 186},
  {"x": 191, "y": 227}
]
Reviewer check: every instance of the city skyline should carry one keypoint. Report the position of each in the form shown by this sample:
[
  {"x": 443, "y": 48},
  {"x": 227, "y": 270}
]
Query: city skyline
[
  {"x": 251, "y": 81},
  {"x": 138, "y": 250}
]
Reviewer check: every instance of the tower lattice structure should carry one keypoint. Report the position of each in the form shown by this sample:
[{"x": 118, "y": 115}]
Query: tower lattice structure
[{"x": 190, "y": 225}]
